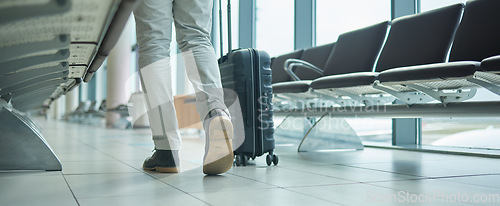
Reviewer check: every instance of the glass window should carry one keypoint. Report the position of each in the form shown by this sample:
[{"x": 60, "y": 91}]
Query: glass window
[
  {"x": 475, "y": 132},
  {"x": 334, "y": 17},
  {"x": 469, "y": 132},
  {"x": 461, "y": 132},
  {"x": 275, "y": 27},
  {"x": 426, "y": 5},
  {"x": 372, "y": 131}
]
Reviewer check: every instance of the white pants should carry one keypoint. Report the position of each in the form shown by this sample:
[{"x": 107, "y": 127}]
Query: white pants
[{"x": 193, "y": 23}]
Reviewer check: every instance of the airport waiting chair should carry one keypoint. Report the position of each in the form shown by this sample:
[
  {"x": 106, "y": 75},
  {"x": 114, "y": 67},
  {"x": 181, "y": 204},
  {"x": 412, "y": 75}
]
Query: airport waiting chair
[
  {"x": 413, "y": 40},
  {"x": 491, "y": 64},
  {"x": 354, "y": 51},
  {"x": 476, "y": 39},
  {"x": 57, "y": 42},
  {"x": 315, "y": 57},
  {"x": 279, "y": 73},
  {"x": 47, "y": 48}
]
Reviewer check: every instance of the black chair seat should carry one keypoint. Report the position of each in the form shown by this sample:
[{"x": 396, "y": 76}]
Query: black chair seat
[
  {"x": 344, "y": 80},
  {"x": 291, "y": 87},
  {"x": 444, "y": 71},
  {"x": 491, "y": 64}
]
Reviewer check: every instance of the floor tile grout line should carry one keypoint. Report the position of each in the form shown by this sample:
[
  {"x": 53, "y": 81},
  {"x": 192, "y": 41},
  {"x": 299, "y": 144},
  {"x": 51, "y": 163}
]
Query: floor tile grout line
[
  {"x": 322, "y": 175},
  {"x": 401, "y": 190},
  {"x": 298, "y": 170},
  {"x": 142, "y": 171},
  {"x": 417, "y": 179},
  {"x": 459, "y": 176},
  {"x": 423, "y": 177},
  {"x": 71, "y": 190},
  {"x": 322, "y": 185},
  {"x": 318, "y": 163},
  {"x": 360, "y": 182},
  {"x": 396, "y": 189},
  {"x": 101, "y": 173},
  {"x": 360, "y": 163},
  {"x": 117, "y": 141},
  {"x": 230, "y": 173},
  {"x": 179, "y": 188},
  {"x": 185, "y": 192},
  {"x": 312, "y": 196},
  {"x": 401, "y": 180},
  {"x": 391, "y": 172},
  {"x": 236, "y": 190},
  {"x": 341, "y": 164},
  {"x": 166, "y": 183},
  {"x": 111, "y": 156},
  {"x": 404, "y": 190}
]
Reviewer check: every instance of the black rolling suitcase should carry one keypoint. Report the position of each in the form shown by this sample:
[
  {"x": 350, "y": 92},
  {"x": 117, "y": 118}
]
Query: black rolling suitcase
[{"x": 248, "y": 73}]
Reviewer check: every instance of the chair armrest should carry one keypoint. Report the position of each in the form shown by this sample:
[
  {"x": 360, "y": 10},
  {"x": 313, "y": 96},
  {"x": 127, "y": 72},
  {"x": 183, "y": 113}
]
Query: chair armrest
[{"x": 291, "y": 65}]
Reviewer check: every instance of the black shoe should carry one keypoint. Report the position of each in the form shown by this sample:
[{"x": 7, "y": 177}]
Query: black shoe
[{"x": 165, "y": 161}]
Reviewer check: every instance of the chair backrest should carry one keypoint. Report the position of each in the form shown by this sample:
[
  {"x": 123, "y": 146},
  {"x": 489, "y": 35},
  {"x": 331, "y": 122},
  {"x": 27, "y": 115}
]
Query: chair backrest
[
  {"x": 279, "y": 73},
  {"x": 357, "y": 51},
  {"x": 316, "y": 56},
  {"x": 422, "y": 38},
  {"x": 478, "y": 35}
]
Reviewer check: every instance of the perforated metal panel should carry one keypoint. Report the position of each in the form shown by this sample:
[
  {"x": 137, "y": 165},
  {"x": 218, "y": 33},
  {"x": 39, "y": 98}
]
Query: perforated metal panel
[
  {"x": 328, "y": 92},
  {"x": 449, "y": 84},
  {"x": 38, "y": 54},
  {"x": 52, "y": 64},
  {"x": 400, "y": 88},
  {"x": 76, "y": 71},
  {"x": 361, "y": 90},
  {"x": 84, "y": 22},
  {"x": 490, "y": 77},
  {"x": 81, "y": 53},
  {"x": 18, "y": 3}
]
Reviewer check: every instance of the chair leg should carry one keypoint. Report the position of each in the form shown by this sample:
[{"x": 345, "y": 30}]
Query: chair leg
[
  {"x": 330, "y": 133},
  {"x": 22, "y": 146}
]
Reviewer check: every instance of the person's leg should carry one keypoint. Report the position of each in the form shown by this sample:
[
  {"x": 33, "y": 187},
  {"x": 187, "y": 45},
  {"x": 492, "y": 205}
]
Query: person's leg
[
  {"x": 193, "y": 23},
  {"x": 154, "y": 33}
]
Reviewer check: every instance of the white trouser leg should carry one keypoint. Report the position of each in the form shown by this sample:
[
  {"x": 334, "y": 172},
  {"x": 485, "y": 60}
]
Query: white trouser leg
[
  {"x": 154, "y": 33},
  {"x": 156, "y": 81},
  {"x": 193, "y": 23}
]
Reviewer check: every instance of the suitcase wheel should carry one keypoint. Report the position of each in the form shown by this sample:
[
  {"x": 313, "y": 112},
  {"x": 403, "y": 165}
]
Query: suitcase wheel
[
  {"x": 269, "y": 160},
  {"x": 236, "y": 160},
  {"x": 275, "y": 159},
  {"x": 241, "y": 160},
  {"x": 272, "y": 159},
  {"x": 244, "y": 160}
]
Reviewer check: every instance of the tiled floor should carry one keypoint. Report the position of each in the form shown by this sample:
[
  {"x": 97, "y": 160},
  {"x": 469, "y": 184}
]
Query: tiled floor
[{"x": 103, "y": 167}]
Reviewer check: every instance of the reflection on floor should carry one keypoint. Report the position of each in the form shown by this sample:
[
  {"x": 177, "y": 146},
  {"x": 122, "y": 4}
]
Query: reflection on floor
[{"x": 103, "y": 167}]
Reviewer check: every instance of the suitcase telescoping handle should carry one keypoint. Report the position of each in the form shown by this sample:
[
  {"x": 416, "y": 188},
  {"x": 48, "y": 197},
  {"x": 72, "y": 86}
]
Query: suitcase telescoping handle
[{"x": 229, "y": 37}]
